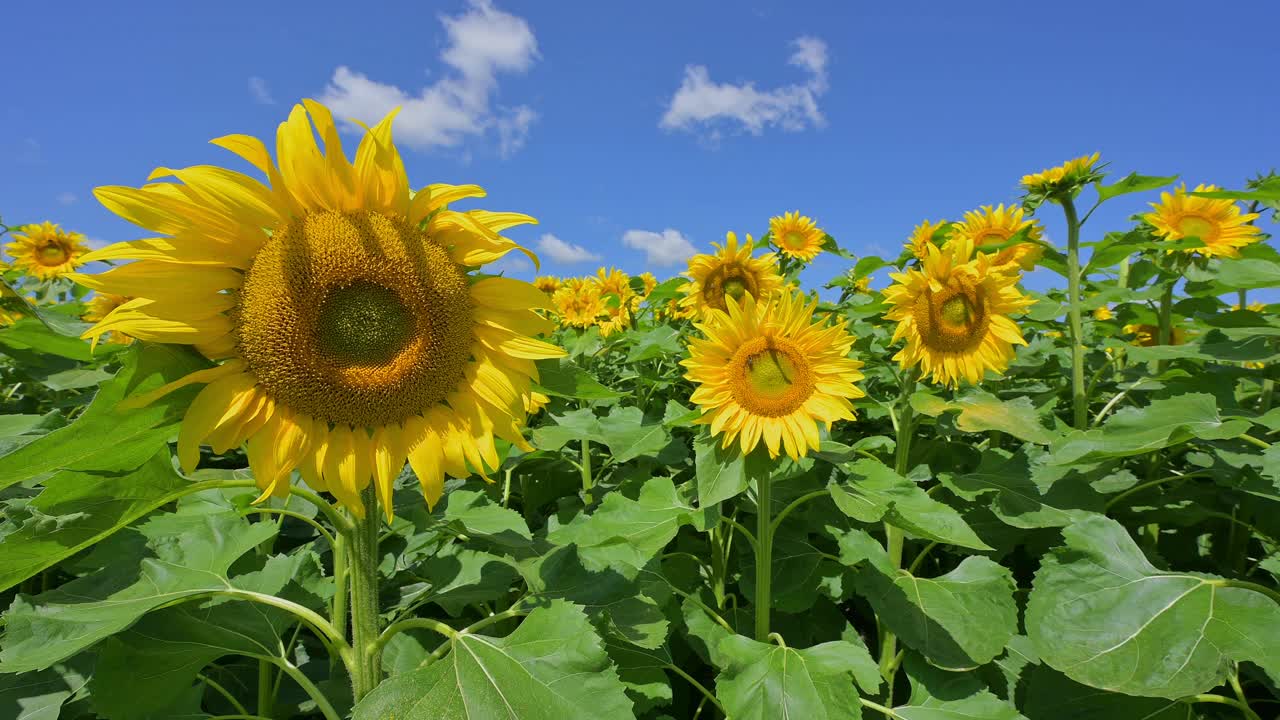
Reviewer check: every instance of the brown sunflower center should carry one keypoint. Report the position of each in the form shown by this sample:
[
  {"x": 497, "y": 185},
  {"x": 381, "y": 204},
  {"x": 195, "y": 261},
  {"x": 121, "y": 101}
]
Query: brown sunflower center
[
  {"x": 727, "y": 281},
  {"x": 794, "y": 240},
  {"x": 355, "y": 317},
  {"x": 953, "y": 320},
  {"x": 51, "y": 254},
  {"x": 1197, "y": 227},
  {"x": 991, "y": 237},
  {"x": 770, "y": 376}
]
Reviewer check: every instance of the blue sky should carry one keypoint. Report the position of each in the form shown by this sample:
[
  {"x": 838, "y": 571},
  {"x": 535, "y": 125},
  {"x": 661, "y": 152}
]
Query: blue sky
[{"x": 637, "y": 132}]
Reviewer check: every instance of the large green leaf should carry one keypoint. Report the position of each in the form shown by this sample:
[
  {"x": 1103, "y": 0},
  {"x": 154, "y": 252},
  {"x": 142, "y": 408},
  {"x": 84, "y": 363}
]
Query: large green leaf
[
  {"x": 77, "y": 509},
  {"x": 574, "y": 426},
  {"x": 41, "y": 695},
  {"x": 1136, "y": 431},
  {"x": 31, "y": 334},
  {"x": 105, "y": 438},
  {"x": 1131, "y": 183},
  {"x": 958, "y": 621},
  {"x": 1016, "y": 498},
  {"x": 473, "y": 513},
  {"x": 762, "y": 681},
  {"x": 564, "y": 379},
  {"x": 551, "y": 668},
  {"x": 1247, "y": 273},
  {"x": 720, "y": 473},
  {"x": 940, "y": 695},
  {"x": 1054, "y": 696},
  {"x": 661, "y": 341},
  {"x": 1106, "y": 617},
  {"x": 624, "y": 534},
  {"x": 621, "y": 606},
  {"x": 981, "y": 411},
  {"x": 191, "y": 554},
  {"x": 874, "y": 492},
  {"x": 628, "y": 436}
]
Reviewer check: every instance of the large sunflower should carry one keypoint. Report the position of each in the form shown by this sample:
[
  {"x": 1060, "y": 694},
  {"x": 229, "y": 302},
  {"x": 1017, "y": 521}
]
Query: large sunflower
[
  {"x": 578, "y": 303},
  {"x": 769, "y": 371},
  {"x": 730, "y": 272},
  {"x": 46, "y": 251},
  {"x": 349, "y": 332},
  {"x": 1218, "y": 223},
  {"x": 99, "y": 307},
  {"x": 993, "y": 226},
  {"x": 954, "y": 314},
  {"x": 796, "y": 236}
]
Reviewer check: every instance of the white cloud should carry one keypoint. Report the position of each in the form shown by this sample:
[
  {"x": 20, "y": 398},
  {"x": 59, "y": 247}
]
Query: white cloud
[
  {"x": 260, "y": 92},
  {"x": 509, "y": 264},
  {"x": 482, "y": 42},
  {"x": 703, "y": 103},
  {"x": 564, "y": 252},
  {"x": 666, "y": 248},
  {"x": 67, "y": 198}
]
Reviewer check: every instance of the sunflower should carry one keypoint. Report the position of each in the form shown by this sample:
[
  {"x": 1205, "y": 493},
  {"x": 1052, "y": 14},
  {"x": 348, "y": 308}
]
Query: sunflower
[
  {"x": 614, "y": 282},
  {"x": 993, "y": 226},
  {"x": 796, "y": 236},
  {"x": 650, "y": 282},
  {"x": 100, "y": 306},
  {"x": 46, "y": 251},
  {"x": 1258, "y": 307},
  {"x": 730, "y": 272},
  {"x": 770, "y": 371},
  {"x": 534, "y": 402},
  {"x": 1103, "y": 312},
  {"x": 1149, "y": 335},
  {"x": 578, "y": 303},
  {"x": 547, "y": 284},
  {"x": 673, "y": 310},
  {"x": 8, "y": 318},
  {"x": 954, "y": 314},
  {"x": 348, "y": 328},
  {"x": 615, "y": 317},
  {"x": 925, "y": 234},
  {"x": 1067, "y": 176},
  {"x": 1218, "y": 223}
]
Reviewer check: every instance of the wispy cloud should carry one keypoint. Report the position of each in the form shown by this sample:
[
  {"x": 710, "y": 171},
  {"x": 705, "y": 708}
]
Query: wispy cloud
[
  {"x": 703, "y": 104},
  {"x": 482, "y": 43},
  {"x": 509, "y": 264},
  {"x": 666, "y": 248},
  {"x": 260, "y": 91},
  {"x": 564, "y": 252},
  {"x": 67, "y": 198}
]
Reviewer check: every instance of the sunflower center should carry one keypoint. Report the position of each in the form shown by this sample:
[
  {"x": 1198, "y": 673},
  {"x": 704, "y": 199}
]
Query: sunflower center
[
  {"x": 52, "y": 254},
  {"x": 355, "y": 317},
  {"x": 991, "y": 237},
  {"x": 735, "y": 288},
  {"x": 953, "y": 320},
  {"x": 794, "y": 240},
  {"x": 362, "y": 323},
  {"x": 1197, "y": 227},
  {"x": 770, "y": 376}
]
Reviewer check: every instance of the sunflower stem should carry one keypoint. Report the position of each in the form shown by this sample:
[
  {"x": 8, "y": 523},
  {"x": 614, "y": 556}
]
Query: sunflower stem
[
  {"x": 587, "y": 481},
  {"x": 1166, "y": 321},
  {"x": 893, "y": 536},
  {"x": 362, "y": 560},
  {"x": 338, "y": 615},
  {"x": 1079, "y": 400},
  {"x": 764, "y": 554}
]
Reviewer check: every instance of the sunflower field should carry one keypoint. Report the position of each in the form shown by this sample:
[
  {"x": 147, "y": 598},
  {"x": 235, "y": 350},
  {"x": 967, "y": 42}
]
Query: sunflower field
[{"x": 293, "y": 453}]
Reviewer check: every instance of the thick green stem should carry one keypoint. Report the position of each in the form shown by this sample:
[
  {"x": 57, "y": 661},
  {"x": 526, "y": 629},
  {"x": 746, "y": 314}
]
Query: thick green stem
[
  {"x": 764, "y": 554},
  {"x": 587, "y": 481},
  {"x": 266, "y": 698},
  {"x": 1166, "y": 322},
  {"x": 893, "y": 536},
  {"x": 1079, "y": 400},
  {"x": 363, "y": 565}
]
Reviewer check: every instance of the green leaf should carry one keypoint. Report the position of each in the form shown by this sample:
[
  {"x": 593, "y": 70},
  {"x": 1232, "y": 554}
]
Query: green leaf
[
  {"x": 1131, "y": 183},
  {"x": 627, "y": 435},
  {"x": 41, "y": 695},
  {"x": 551, "y": 668},
  {"x": 940, "y": 695},
  {"x": 474, "y": 514},
  {"x": 874, "y": 492},
  {"x": 620, "y": 606},
  {"x": 31, "y": 334},
  {"x": 562, "y": 378},
  {"x": 1137, "y": 431},
  {"x": 1017, "y": 499},
  {"x": 1106, "y": 617},
  {"x": 1247, "y": 273},
  {"x": 957, "y": 621},
  {"x": 105, "y": 438},
  {"x": 77, "y": 509},
  {"x": 800, "y": 573},
  {"x": 981, "y": 411},
  {"x": 661, "y": 341},
  {"x": 624, "y": 534},
  {"x": 762, "y": 681},
  {"x": 574, "y": 426},
  {"x": 721, "y": 474},
  {"x": 1267, "y": 191},
  {"x": 1050, "y": 695},
  {"x": 192, "y": 553}
]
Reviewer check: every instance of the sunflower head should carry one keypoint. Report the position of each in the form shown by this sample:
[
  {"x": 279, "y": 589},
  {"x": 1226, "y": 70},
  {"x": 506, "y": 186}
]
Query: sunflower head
[
  {"x": 925, "y": 234},
  {"x": 8, "y": 317},
  {"x": 547, "y": 284},
  {"x": 614, "y": 282},
  {"x": 1219, "y": 224},
  {"x": 730, "y": 272},
  {"x": 46, "y": 250},
  {"x": 771, "y": 371},
  {"x": 1258, "y": 307},
  {"x": 650, "y": 282},
  {"x": 989, "y": 226},
  {"x": 99, "y": 307},
  {"x": 578, "y": 303},
  {"x": 954, "y": 314},
  {"x": 1149, "y": 335},
  {"x": 796, "y": 236},
  {"x": 1064, "y": 180},
  {"x": 349, "y": 329},
  {"x": 1103, "y": 313}
]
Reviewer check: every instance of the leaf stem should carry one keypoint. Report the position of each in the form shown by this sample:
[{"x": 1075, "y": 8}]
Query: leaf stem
[
  {"x": 745, "y": 532},
  {"x": 1246, "y": 585},
  {"x": 764, "y": 554},
  {"x": 1255, "y": 441},
  {"x": 1079, "y": 401},
  {"x": 777, "y": 521},
  {"x": 878, "y": 708},
  {"x": 1220, "y": 700},
  {"x": 225, "y": 693},
  {"x": 410, "y": 624},
  {"x": 699, "y": 687},
  {"x": 322, "y": 702},
  {"x": 1150, "y": 484}
]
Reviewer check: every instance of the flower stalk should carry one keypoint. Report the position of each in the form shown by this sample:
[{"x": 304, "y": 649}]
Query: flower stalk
[
  {"x": 362, "y": 563},
  {"x": 1079, "y": 399}
]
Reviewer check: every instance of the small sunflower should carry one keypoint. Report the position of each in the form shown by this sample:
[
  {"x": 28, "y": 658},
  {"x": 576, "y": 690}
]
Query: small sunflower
[
  {"x": 614, "y": 282},
  {"x": 1258, "y": 307},
  {"x": 1067, "y": 176},
  {"x": 954, "y": 314},
  {"x": 578, "y": 303},
  {"x": 547, "y": 284},
  {"x": 1149, "y": 335},
  {"x": 1102, "y": 313},
  {"x": 796, "y": 236},
  {"x": 1218, "y": 223},
  {"x": 925, "y": 234},
  {"x": 99, "y": 307},
  {"x": 46, "y": 251},
  {"x": 673, "y": 310},
  {"x": 348, "y": 327},
  {"x": 769, "y": 371},
  {"x": 650, "y": 282},
  {"x": 8, "y": 318},
  {"x": 995, "y": 225},
  {"x": 730, "y": 272}
]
